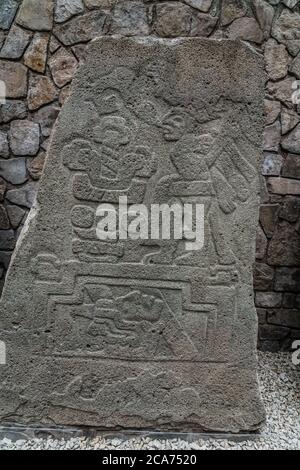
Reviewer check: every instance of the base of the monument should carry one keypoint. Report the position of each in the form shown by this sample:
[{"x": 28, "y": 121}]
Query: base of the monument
[{"x": 15, "y": 432}]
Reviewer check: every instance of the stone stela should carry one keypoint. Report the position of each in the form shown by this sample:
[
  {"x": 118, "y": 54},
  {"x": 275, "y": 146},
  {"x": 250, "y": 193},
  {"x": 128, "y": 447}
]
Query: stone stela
[{"x": 141, "y": 334}]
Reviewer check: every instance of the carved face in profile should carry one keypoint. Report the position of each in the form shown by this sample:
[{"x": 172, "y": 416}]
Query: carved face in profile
[{"x": 174, "y": 125}]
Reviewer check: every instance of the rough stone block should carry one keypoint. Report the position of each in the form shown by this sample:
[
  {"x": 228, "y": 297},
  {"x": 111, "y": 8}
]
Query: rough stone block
[
  {"x": 81, "y": 28},
  {"x": 41, "y": 91},
  {"x": 263, "y": 276},
  {"x": 132, "y": 333},
  {"x": 291, "y": 166},
  {"x": 36, "y": 15},
  {"x": 284, "y": 186},
  {"x": 287, "y": 279},
  {"x": 8, "y": 10},
  {"x": 23, "y": 196},
  {"x": 290, "y": 209},
  {"x": 24, "y": 137},
  {"x": 15, "y": 43},
  {"x": 14, "y": 75},
  {"x": 272, "y": 164},
  {"x": 284, "y": 247},
  {"x": 36, "y": 54},
  {"x": 63, "y": 66},
  {"x": 13, "y": 170},
  {"x": 277, "y": 60},
  {"x": 284, "y": 317},
  {"x": 4, "y": 148},
  {"x": 286, "y": 30},
  {"x": 12, "y": 109},
  {"x": 130, "y": 18},
  {"x": 268, "y": 299},
  {"x": 292, "y": 141},
  {"x": 268, "y": 218},
  {"x": 272, "y": 111}
]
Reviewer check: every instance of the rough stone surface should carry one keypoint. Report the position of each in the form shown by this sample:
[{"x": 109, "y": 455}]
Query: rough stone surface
[
  {"x": 295, "y": 66},
  {"x": 284, "y": 186},
  {"x": 287, "y": 279},
  {"x": 273, "y": 333},
  {"x": 15, "y": 43},
  {"x": 264, "y": 14},
  {"x": 277, "y": 60},
  {"x": 41, "y": 92},
  {"x": 16, "y": 215},
  {"x": 7, "y": 240},
  {"x": 46, "y": 117},
  {"x": 292, "y": 141},
  {"x": 53, "y": 45},
  {"x": 4, "y": 222},
  {"x": 290, "y": 3},
  {"x": 65, "y": 9},
  {"x": 261, "y": 244},
  {"x": 8, "y": 10},
  {"x": 63, "y": 66},
  {"x": 12, "y": 109},
  {"x": 268, "y": 218},
  {"x": 24, "y": 196},
  {"x": 2, "y": 38},
  {"x": 291, "y": 167},
  {"x": 203, "y": 25},
  {"x": 64, "y": 95},
  {"x": 125, "y": 334},
  {"x": 36, "y": 55},
  {"x": 290, "y": 209},
  {"x": 282, "y": 90},
  {"x": 286, "y": 30},
  {"x": 36, "y": 15},
  {"x": 130, "y": 19},
  {"x": 263, "y": 276},
  {"x": 284, "y": 247},
  {"x": 272, "y": 135},
  {"x": 202, "y": 5},
  {"x": 221, "y": 14},
  {"x": 81, "y": 28},
  {"x": 174, "y": 20},
  {"x": 279, "y": 383},
  {"x": 268, "y": 299},
  {"x": 272, "y": 111},
  {"x": 14, "y": 170},
  {"x": 91, "y": 4},
  {"x": 4, "y": 148},
  {"x": 36, "y": 165},
  {"x": 231, "y": 10},
  {"x": 289, "y": 120},
  {"x": 2, "y": 188},
  {"x": 247, "y": 29},
  {"x": 80, "y": 51},
  {"x": 14, "y": 75},
  {"x": 289, "y": 318},
  {"x": 24, "y": 137},
  {"x": 272, "y": 164}
]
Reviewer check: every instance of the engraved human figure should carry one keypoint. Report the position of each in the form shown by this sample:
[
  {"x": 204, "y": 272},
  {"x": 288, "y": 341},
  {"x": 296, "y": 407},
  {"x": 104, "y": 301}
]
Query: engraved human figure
[
  {"x": 139, "y": 321},
  {"x": 113, "y": 157},
  {"x": 223, "y": 173}
]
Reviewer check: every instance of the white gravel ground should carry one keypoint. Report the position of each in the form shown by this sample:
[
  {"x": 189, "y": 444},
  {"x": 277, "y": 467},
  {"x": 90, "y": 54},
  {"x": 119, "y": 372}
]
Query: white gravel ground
[{"x": 280, "y": 387}]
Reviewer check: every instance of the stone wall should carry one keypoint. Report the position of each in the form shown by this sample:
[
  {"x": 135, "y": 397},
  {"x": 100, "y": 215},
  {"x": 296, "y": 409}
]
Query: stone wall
[{"x": 43, "y": 41}]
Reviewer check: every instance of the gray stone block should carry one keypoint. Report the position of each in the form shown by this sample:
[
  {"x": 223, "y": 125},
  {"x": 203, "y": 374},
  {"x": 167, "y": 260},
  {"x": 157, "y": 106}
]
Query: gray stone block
[{"x": 134, "y": 334}]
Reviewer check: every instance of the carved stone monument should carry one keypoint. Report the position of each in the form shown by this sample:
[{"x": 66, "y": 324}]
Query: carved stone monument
[{"x": 142, "y": 334}]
